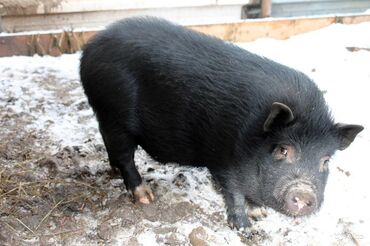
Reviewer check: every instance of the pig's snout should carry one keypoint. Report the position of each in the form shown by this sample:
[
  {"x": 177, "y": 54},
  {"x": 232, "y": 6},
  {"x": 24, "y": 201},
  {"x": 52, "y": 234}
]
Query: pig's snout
[{"x": 300, "y": 201}]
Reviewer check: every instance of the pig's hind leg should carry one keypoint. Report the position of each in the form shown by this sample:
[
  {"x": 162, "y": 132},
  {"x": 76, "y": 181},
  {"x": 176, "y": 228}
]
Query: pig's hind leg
[{"x": 121, "y": 149}]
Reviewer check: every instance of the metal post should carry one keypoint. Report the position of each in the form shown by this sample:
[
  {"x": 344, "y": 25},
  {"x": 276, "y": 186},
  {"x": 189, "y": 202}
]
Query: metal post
[{"x": 266, "y": 8}]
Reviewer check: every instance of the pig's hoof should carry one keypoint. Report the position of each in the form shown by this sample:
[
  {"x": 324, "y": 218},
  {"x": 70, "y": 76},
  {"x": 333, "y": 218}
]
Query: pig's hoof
[
  {"x": 257, "y": 213},
  {"x": 240, "y": 223},
  {"x": 143, "y": 194}
]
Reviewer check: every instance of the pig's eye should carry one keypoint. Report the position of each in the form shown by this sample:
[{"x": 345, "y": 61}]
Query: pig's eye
[
  {"x": 283, "y": 152},
  {"x": 324, "y": 164}
]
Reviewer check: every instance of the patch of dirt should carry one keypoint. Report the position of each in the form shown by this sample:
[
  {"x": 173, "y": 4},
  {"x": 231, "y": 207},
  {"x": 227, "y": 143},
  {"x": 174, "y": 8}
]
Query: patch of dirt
[{"x": 51, "y": 198}]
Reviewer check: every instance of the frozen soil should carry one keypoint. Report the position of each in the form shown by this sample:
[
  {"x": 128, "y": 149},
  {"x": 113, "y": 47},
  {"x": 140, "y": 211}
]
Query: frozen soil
[{"x": 57, "y": 188}]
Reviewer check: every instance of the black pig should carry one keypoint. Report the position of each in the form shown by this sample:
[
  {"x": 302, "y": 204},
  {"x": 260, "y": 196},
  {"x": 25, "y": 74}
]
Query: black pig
[{"x": 264, "y": 130}]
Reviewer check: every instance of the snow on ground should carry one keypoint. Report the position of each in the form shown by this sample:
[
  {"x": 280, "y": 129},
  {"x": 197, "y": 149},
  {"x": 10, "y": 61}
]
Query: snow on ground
[{"x": 56, "y": 186}]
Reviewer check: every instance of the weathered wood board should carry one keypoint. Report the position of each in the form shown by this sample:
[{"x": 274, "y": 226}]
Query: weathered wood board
[{"x": 57, "y": 43}]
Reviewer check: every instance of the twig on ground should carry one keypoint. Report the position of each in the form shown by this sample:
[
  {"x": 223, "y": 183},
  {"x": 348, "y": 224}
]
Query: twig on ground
[
  {"x": 350, "y": 235},
  {"x": 25, "y": 225},
  {"x": 61, "y": 233},
  {"x": 12, "y": 228},
  {"x": 48, "y": 214},
  {"x": 10, "y": 191}
]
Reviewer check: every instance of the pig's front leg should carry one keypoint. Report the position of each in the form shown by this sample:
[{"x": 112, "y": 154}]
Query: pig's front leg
[{"x": 235, "y": 205}]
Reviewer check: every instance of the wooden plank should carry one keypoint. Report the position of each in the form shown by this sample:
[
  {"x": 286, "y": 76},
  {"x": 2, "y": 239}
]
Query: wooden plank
[
  {"x": 94, "y": 19},
  {"x": 27, "y": 7},
  {"x": 98, "y": 5},
  {"x": 352, "y": 19},
  {"x": 53, "y": 44},
  {"x": 279, "y": 28},
  {"x": 249, "y": 30},
  {"x": 232, "y": 2}
]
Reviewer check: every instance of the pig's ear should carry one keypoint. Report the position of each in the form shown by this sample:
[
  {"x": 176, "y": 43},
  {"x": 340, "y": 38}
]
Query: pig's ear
[
  {"x": 280, "y": 114},
  {"x": 347, "y": 133}
]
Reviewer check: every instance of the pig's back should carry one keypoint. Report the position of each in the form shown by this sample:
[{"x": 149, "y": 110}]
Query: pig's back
[{"x": 187, "y": 97}]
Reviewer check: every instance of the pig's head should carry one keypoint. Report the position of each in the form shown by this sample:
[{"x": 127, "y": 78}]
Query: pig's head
[{"x": 297, "y": 149}]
